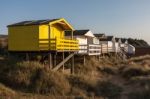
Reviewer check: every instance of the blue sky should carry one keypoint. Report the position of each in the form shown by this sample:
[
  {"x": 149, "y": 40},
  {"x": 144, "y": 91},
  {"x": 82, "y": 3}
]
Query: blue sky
[{"x": 122, "y": 18}]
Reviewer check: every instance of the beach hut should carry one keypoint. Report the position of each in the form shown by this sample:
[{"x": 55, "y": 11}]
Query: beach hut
[
  {"x": 88, "y": 43},
  {"x": 3, "y": 41},
  {"x": 107, "y": 44},
  {"x": 99, "y": 35},
  {"x": 117, "y": 45},
  {"x": 43, "y": 36},
  {"x": 40, "y": 35},
  {"x": 126, "y": 47},
  {"x": 124, "y": 42},
  {"x": 131, "y": 49}
]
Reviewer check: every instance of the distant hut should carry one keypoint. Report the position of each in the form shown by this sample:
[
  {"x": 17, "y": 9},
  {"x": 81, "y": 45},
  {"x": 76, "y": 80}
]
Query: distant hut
[
  {"x": 3, "y": 41},
  {"x": 117, "y": 44},
  {"x": 88, "y": 43},
  {"x": 128, "y": 48},
  {"x": 124, "y": 42},
  {"x": 99, "y": 35},
  {"x": 107, "y": 44},
  {"x": 131, "y": 49}
]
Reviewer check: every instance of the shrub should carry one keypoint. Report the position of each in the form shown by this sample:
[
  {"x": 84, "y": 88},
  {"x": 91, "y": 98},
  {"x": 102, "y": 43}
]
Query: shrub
[
  {"x": 32, "y": 76},
  {"x": 108, "y": 89},
  {"x": 134, "y": 70},
  {"x": 109, "y": 70},
  {"x": 19, "y": 75},
  {"x": 91, "y": 65},
  {"x": 50, "y": 82},
  {"x": 4, "y": 91},
  {"x": 83, "y": 82},
  {"x": 78, "y": 92},
  {"x": 139, "y": 95},
  {"x": 140, "y": 58}
]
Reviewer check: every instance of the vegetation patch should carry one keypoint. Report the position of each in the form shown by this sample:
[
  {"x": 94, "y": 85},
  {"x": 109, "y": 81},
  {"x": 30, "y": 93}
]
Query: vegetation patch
[
  {"x": 139, "y": 95},
  {"x": 108, "y": 90},
  {"x": 5, "y": 91}
]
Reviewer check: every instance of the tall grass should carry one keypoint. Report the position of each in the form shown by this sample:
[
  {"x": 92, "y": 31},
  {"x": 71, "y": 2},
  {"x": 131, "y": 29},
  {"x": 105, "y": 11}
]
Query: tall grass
[
  {"x": 108, "y": 90},
  {"x": 89, "y": 80},
  {"x": 140, "y": 58},
  {"x": 5, "y": 91},
  {"x": 32, "y": 76}
]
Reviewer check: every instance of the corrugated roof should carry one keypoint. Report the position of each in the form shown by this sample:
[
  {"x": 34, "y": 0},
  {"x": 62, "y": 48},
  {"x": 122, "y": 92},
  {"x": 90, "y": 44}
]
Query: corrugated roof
[
  {"x": 33, "y": 22},
  {"x": 76, "y": 32}
]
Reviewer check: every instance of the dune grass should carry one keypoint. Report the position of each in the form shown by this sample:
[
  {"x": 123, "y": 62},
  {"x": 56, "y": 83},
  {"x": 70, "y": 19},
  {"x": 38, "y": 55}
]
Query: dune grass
[{"x": 90, "y": 80}]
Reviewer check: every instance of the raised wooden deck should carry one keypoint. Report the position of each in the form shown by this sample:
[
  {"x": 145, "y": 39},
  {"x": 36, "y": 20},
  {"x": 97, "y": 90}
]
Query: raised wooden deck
[
  {"x": 90, "y": 49},
  {"x": 58, "y": 44}
]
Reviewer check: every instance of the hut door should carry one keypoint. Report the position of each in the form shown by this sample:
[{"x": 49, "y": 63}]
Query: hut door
[{"x": 89, "y": 40}]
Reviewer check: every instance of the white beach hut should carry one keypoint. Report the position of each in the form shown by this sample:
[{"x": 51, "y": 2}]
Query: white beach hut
[{"x": 88, "y": 43}]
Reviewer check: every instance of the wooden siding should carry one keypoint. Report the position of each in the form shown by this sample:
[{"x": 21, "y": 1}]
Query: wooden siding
[
  {"x": 32, "y": 37},
  {"x": 23, "y": 38},
  {"x": 139, "y": 51}
]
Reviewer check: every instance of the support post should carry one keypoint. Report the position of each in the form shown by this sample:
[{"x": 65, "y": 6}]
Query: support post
[
  {"x": 101, "y": 48},
  {"x": 84, "y": 60},
  {"x": 50, "y": 60},
  {"x": 55, "y": 58},
  {"x": 63, "y": 60},
  {"x": 72, "y": 65},
  {"x": 72, "y": 34},
  {"x": 107, "y": 48},
  {"x": 27, "y": 56}
]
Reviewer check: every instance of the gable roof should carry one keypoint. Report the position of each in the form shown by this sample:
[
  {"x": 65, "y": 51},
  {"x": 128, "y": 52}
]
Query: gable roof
[
  {"x": 86, "y": 33},
  {"x": 123, "y": 40},
  {"x": 117, "y": 39},
  {"x": 77, "y": 32},
  {"x": 32, "y": 22},
  {"x": 61, "y": 21},
  {"x": 80, "y": 32},
  {"x": 99, "y": 35},
  {"x": 107, "y": 38}
]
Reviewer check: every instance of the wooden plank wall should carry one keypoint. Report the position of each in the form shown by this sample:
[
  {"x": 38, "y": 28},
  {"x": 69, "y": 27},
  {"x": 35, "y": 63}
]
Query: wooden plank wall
[{"x": 142, "y": 51}]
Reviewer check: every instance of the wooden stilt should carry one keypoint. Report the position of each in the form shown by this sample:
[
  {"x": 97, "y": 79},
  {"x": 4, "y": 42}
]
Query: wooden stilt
[
  {"x": 27, "y": 56},
  {"x": 55, "y": 58},
  {"x": 72, "y": 65},
  {"x": 50, "y": 60},
  {"x": 63, "y": 60},
  {"x": 98, "y": 57},
  {"x": 84, "y": 60},
  {"x": 103, "y": 55}
]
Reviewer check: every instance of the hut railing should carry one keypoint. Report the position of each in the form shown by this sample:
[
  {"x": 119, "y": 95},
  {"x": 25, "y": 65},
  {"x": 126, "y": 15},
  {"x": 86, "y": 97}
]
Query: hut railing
[
  {"x": 58, "y": 44},
  {"x": 90, "y": 49},
  {"x": 106, "y": 49}
]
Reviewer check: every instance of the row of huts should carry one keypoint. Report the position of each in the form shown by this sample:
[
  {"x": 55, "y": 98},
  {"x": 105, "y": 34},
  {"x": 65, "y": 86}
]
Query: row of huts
[
  {"x": 97, "y": 43},
  {"x": 58, "y": 36}
]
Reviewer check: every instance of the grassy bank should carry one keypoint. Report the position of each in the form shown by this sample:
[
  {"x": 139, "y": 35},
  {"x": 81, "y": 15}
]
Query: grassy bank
[{"x": 105, "y": 78}]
